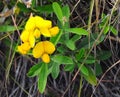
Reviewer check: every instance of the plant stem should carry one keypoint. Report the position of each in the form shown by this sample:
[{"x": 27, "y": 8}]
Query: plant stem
[
  {"x": 80, "y": 87},
  {"x": 59, "y": 36},
  {"x": 89, "y": 21}
]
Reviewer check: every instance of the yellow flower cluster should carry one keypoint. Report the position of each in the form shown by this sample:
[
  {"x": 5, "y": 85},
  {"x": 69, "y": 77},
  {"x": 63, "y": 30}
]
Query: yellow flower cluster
[{"x": 34, "y": 28}]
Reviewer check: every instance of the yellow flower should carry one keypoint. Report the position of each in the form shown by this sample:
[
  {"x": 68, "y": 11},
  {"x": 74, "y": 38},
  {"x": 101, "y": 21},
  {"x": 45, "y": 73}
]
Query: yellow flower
[
  {"x": 37, "y": 33},
  {"x": 38, "y": 50},
  {"x": 54, "y": 31},
  {"x": 34, "y": 28},
  {"x": 49, "y": 32},
  {"x": 46, "y": 24},
  {"x": 38, "y": 21},
  {"x": 45, "y": 32},
  {"x": 43, "y": 49},
  {"x": 46, "y": 58},
  {"x": 42, "y": 23},
  {"x": 32, "y": 40},
  {"x": 24, "y": 48},
  {"x": 25, "y": 36},
  {"x": 49, "y": 47},
  {"x": 30, "y": 24}
]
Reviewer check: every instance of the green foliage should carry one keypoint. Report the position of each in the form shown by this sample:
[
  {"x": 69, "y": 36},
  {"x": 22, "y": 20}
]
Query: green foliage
[
  {"x": 89, "y": 60},
  {"x": 103, "y": 55},
  {"x": 58, "y": 11},
  {"x": 45, "y": 8},
  {"x": 69, "y": 67},
  {"x": 42, "y": 77},
  {"x": 70, "y": 44},
  {"x": 23, "y": 8},
  {"x": 58, "y": 58},
  {"x": 108, "y": 27},
  {"x": 73, "y": 45},
  {"x": 34, "y": 70},
  {"x": 91, "y": 78},
  {"x": 86, "y": 42},
  {"x": 83, "y": 69},
  {"x": 67, "y": 39},
  {"x": 7, "y": 28},
  {"x": 55, "y": 70},
  {"x": 66, "y": 12},
  {"x": 80, "y": 54},
  {"x": 78, "y": 31},
  {"x": 98, "y": 69}
]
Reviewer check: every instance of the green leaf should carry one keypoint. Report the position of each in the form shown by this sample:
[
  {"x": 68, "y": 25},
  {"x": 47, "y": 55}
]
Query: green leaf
[
  {"x": 42, "y": 78},
  {"x": 89, "y": 60},
  {"x": 103, "y": 20},
  {"x": 69, "y": 67},
  {"x": 7, "y": 28},
  {"x": 78, "y": 31},
  {"x": 66, "y": 15},
  {"x": 80, "y": 54},
  {"x": 86, "y": 41},
  {"x": 23, "y": 8},
  {"x": 66, "y": 11},
  {"x": 61, "y": 49},
  {"x": 55, "y": 70},
  {"x": 76, "y": 37},
  {"x": 34, "y": 70},
  {"x": 113, "y": 30},
  {"x": 106, "y": 29},
  {"x": 45, "y": 8},
  {"x": 62, "y": 59},
  {"x": 98, "y": 69},
  {"x": 57, "y": 10},
  {"x": 103, "y": 55},
  {"x": 91, "y": 78},
  {"x": 70, "y": 44},
  {"x": 84, "y": 69}
]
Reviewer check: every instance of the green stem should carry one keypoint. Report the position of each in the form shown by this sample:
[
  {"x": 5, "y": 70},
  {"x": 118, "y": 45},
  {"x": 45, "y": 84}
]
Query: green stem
[
  {"x": 59, "y": 36},
  {"x": 9, "y": 65},
  {"x": 89, "y": 21},
  {"x": 80, "y": 87}
]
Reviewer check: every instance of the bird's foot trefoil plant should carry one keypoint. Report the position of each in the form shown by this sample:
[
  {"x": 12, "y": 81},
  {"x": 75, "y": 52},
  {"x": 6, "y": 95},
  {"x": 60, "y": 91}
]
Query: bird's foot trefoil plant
[{"x": 56, "y": 45}]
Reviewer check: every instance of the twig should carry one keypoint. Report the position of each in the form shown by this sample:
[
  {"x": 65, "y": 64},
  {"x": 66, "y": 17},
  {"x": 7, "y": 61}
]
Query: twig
[
  {"x": 75, "y": 6},
  {"x": 104, "y": 76}
]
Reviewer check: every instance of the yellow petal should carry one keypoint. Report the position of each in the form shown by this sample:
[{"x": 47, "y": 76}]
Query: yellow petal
[
  {"x": 49, "y": 47},
  {"x": 30, "y": 24},
  {"x": 38, "y": 50},
  {"x": 54, "y": 31},
  {"x": 32, "y": 40},
  {"x": 24, "y": 36},
  {"x": 37, "y": 33},
  {"x": 38, "y": 21},
  {"x": 45, "y": 24},
  {"x": 45, "y": 57},
  {"x": 21, "y": 50},
  {"x": 45, "y": 32},
  {"x": 24, "y": 48}
]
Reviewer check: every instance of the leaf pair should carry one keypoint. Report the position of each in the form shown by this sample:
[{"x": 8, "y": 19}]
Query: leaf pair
[{"x": 41, "y": 71}]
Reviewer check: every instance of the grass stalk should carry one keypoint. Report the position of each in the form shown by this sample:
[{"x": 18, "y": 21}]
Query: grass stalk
[{"x": 80, "y": 87}]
